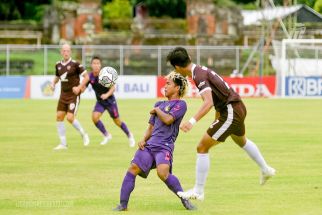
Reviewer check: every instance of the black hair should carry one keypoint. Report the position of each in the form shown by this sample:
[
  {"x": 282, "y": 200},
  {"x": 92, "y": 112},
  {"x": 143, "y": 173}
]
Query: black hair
[
  {"x": 96, "y": 57},
  {"x": 179, "y": 57}
]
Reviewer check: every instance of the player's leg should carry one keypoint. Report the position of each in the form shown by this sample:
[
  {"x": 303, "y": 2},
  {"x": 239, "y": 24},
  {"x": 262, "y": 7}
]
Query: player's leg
[
  {"x": 114, "y": 114},
  {"x": 238, "y": 135},
  {"x": 202, "y": 168},
  {"x": 125, "y": 129},
  {"x": 72, "y": 110},
  {"x": 141, "y": 165},
  {"x": 253, "y": 152},
  {"x": 96, "y": 115},
  {"x": 60, "y": 115},
  {"x": 128, "y": 185},
  {"x": 164, "y": 162}
]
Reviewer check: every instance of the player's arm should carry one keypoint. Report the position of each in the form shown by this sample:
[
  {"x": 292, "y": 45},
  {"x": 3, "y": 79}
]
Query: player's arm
[
  {"x": 55, "y": 81},
  {"x": 82, "y": 86},
  {"x": 167, "y": 119},
  {"x": 203, "y": 110},
  {"x": 147, "y": 135},
  {"x": 109, "y": 93}
]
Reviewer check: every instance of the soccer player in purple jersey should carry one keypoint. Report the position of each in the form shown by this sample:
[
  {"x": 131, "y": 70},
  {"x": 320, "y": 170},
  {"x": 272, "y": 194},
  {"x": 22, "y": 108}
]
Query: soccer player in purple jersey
[
  {"x": 68, "y": 72},
  {"x": 156, "y": 147},
  {"x": 229, "y": 121},
  {"x": 105, "y": 101}
]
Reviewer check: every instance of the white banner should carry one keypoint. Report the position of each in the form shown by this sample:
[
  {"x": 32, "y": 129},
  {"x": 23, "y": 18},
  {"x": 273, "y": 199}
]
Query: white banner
[
  {"x": 40, "y": 87},
  {"x": 127, "y": 86}
]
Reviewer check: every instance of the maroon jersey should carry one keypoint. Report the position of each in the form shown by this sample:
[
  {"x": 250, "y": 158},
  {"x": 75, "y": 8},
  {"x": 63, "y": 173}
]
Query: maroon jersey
[
  {"x": 206, "y": 79},
  {"x": 69, "y": 74}
]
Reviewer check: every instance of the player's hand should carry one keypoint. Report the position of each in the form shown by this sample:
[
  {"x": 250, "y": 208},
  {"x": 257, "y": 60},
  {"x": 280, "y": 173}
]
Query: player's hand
[
  {"x": 104, "y": 96},
  {"x": 76, "y": 90},
  {"x": 186, "y": 126},
  {"x": 141, "y": 144},
  {"x": 153, "y": 111},
  {"x": 52, "y": 86}
]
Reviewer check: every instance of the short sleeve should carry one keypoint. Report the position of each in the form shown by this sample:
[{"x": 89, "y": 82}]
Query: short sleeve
[{"x": 178, "y": 110}]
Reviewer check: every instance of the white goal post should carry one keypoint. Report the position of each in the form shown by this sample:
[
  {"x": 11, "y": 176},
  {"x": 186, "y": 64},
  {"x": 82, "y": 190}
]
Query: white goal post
[{"x": 298, "y": 65}]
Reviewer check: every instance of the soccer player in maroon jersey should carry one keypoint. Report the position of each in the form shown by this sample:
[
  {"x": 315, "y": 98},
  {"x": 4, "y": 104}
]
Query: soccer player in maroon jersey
[
  {"x": 105, "y": 100},
  {"x": 156, "y": 147},
  {"x": 68, "y": 72},
  {"x": 229, "y": 121}
]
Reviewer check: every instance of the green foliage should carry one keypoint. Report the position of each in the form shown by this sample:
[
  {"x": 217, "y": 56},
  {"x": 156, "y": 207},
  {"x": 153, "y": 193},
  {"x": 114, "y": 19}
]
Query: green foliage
[
  {"x": 225, "y": 3},
  {"x": 117, "y": 9},
  {"x": 318, "y": 6}
]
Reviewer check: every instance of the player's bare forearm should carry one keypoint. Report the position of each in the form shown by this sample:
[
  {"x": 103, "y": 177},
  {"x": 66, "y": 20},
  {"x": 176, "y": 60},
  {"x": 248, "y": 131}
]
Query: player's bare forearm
[
  {"x": 146, "y": 137},
  {"x": 55, "y": 81},
  {"x": 109, "y": 93},
  {"x": 84, "y": 81},
  {"x": 206, "y": 105},
  {"x": 164, "y": 117}
]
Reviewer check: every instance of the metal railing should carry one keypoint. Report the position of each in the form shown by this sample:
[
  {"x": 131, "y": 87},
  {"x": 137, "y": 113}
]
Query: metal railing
[{"x": 128, "y": 60}]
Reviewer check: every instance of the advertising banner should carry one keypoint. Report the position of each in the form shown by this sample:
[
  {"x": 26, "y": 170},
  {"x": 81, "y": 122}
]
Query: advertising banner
[
  {"x": 40, "y": 87},
  {"x": 126, "y": 87},
  {"x": 129, "y": 86},
  {"x": 303, "y": 86},
  {"x": 14, "y": 87},
  {"x": 246, "y": 87}
]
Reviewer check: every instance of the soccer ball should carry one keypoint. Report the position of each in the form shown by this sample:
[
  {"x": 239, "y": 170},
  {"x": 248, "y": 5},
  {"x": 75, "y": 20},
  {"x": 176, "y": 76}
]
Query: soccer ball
[{"x": 107, "y": 76}]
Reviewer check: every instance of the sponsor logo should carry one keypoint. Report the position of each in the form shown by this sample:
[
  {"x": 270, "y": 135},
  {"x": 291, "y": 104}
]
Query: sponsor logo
[
  {"x": 248, "y": 90},
  {"x": 46, "y": 89},
  {"x": 167, "y": 108},
  {"x": 303, "y": 86},
  {"x": 72, "y": 106},
  {"x": 63, "y": 77}
]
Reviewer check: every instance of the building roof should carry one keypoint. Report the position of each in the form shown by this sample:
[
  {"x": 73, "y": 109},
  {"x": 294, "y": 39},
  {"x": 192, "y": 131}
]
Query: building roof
[{"x": 303, "y": 12}]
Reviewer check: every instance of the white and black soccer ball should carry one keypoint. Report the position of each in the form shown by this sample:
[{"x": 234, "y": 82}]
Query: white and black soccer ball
[{"x": 107, "y": 76}]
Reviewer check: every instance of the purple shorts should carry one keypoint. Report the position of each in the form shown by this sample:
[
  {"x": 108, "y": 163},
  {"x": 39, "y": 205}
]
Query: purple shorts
[
  {"x": 111, "y": 107},
  {"x": 147, "y": 159}
]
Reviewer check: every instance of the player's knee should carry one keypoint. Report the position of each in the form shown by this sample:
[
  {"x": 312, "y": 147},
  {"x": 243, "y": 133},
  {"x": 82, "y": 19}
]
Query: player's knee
[
  {"x": 70, "y": 118},
  {"x": 117, "y": 122},
  {"x": 134, "y": 169},
  {"x": 95, "y": 119},
  {"x": 163, "y": 175},
  {"x": 201, "y": 148}
]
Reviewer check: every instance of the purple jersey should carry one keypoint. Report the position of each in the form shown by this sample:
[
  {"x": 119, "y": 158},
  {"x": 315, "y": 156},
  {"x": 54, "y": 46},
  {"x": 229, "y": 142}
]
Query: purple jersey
[
  {"x": 206, "y": 79},
  {"x": 99, "y": 89},
  {"x": 164, "y": 136}
]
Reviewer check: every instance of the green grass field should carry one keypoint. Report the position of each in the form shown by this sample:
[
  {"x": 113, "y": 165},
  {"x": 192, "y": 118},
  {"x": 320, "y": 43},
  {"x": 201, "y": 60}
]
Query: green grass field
[{"x": 36, "y": 180}]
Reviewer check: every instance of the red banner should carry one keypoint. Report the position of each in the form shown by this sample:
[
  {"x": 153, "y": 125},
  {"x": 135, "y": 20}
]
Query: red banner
[{"x": 245, "y": 87}]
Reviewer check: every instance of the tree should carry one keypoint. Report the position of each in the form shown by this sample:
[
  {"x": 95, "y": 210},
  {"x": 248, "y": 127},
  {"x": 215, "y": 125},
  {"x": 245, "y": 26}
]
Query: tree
[
  {"x": 117, "y": 9},
  {"x": 318, "y": 6}
]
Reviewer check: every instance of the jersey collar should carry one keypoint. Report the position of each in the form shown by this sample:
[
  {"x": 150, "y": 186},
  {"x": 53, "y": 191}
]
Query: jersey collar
[
  {"x": 193, "y": 68},
  {"x": 65, "y": 63}
]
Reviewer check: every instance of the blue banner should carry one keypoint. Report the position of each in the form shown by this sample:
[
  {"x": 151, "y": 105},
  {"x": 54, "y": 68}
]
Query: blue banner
[
  {"x": 303, "y": 86},
  {"x": 13, "y": 87}
]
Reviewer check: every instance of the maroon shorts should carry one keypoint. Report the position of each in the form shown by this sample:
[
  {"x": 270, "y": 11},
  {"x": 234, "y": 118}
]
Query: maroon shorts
[
  {"x": 231, "y": 121},
  {"x": 70, "y": 106}
]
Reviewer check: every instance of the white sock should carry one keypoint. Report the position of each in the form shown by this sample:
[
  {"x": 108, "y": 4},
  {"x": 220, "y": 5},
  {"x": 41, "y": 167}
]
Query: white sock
[
  {"x": 78, "y": 127},
  {"x": 61, "y": 132},
  {"x": 202, "y": 168},
  {"x": 255, "y": 154}
]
